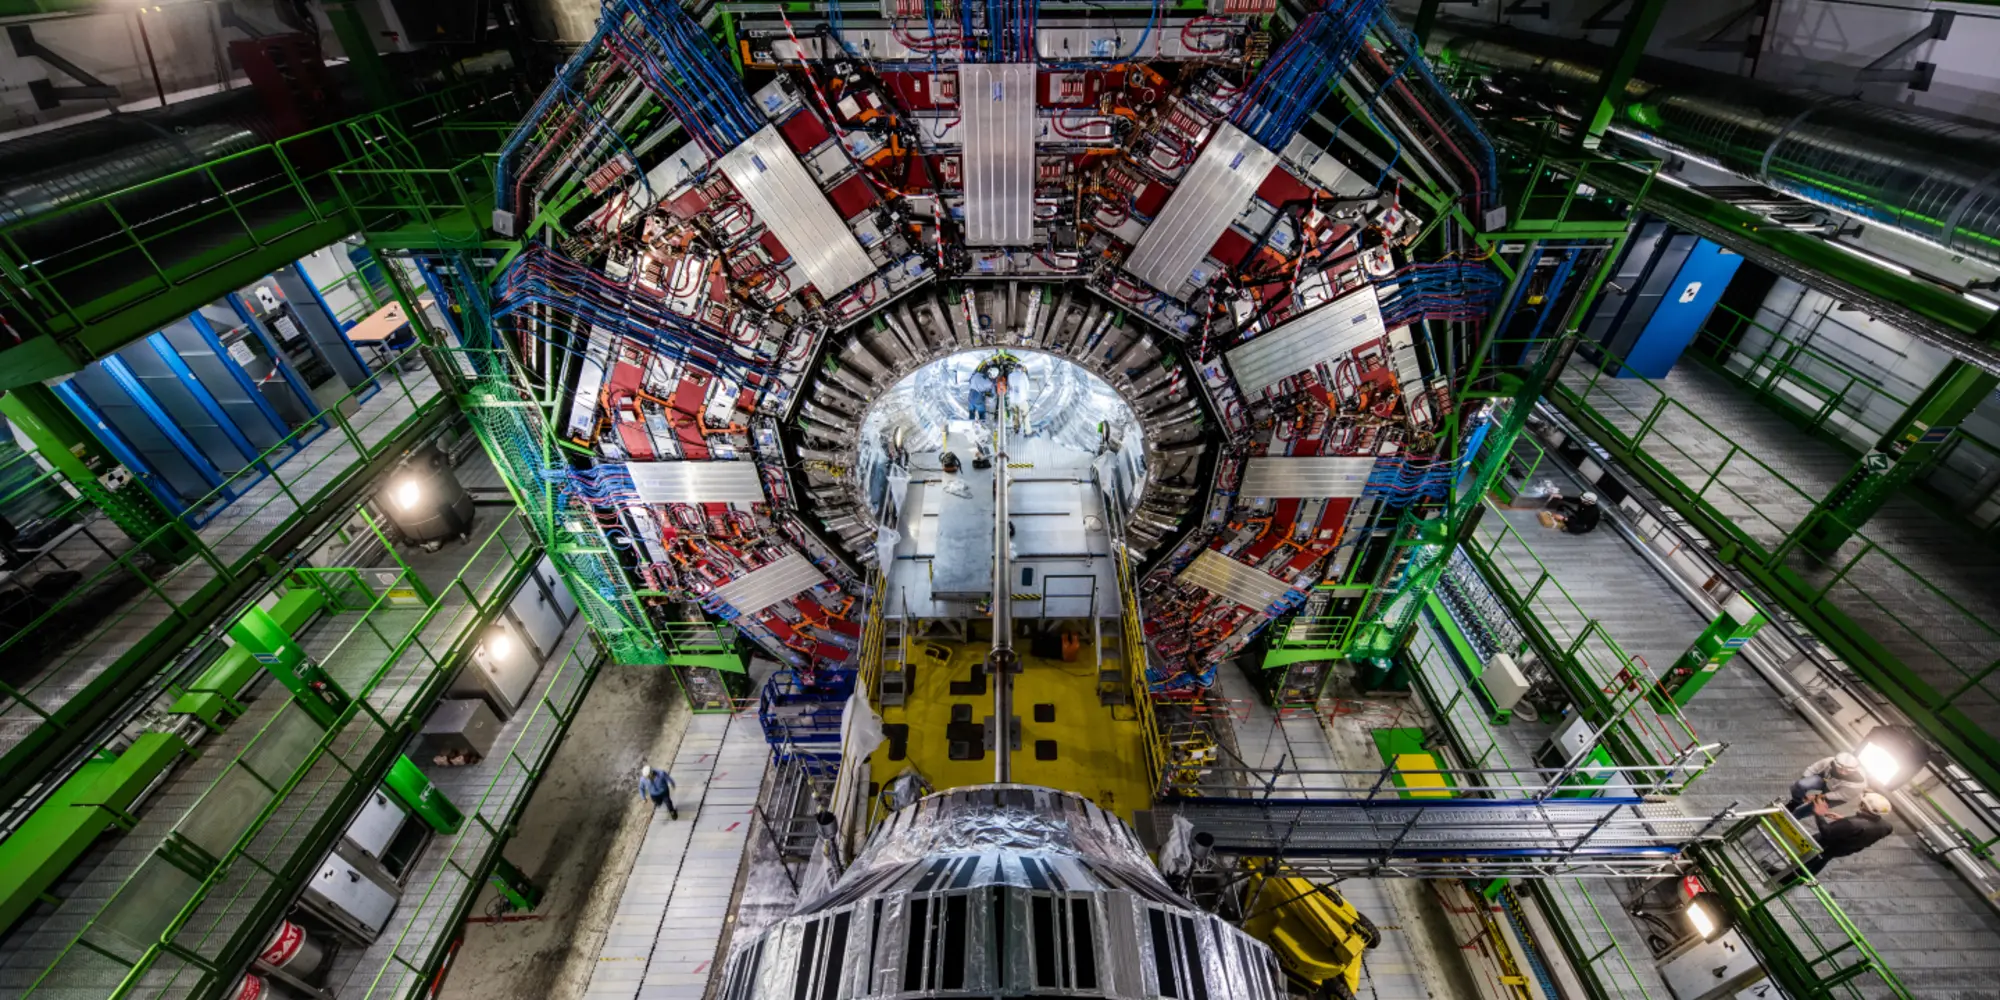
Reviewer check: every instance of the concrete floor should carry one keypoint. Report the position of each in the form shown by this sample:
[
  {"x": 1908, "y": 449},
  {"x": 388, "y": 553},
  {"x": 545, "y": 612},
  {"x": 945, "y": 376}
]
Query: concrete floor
[{"x": 578, "y": 839}]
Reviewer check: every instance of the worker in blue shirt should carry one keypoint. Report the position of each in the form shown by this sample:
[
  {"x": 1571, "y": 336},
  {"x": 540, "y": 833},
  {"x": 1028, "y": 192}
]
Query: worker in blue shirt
[
  {"x": 976, "y": 392},
  {"x": 656, "y": 785}
]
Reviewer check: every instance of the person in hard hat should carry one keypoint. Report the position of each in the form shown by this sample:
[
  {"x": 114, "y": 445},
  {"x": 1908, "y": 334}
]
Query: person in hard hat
[
  {"x": 656, "y": 785},
  {"x": 1579, "y": 516},
  {"x": 977, "y": 392},
  {"x": 1840, "y": 836},
  {"x": 1835, "y": 780}
]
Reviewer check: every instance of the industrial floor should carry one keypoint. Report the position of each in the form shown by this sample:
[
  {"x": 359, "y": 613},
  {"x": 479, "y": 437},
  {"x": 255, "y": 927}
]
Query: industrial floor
[
  {"x": 239, "y": 532},
  {"x": 1094, "y": 750},
  {"x": 1904, "y": 602},
  {"x": 1929, "y": 927}
]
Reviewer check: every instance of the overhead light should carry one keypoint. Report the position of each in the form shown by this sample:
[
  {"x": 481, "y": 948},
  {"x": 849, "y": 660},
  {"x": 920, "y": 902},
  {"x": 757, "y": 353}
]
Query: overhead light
[
  {"x": 1675, "y": 150},
  {"x": 1675, "y": 181},
  {"x": 1881, "y": 262},
  {"x": 1706, "y": 915},
  {"x": 407, "y": 493},
  {"x": 500, "y": 644},
  {"x": 1981, "y": 301},
  {"x": 1892, "y": 755}
]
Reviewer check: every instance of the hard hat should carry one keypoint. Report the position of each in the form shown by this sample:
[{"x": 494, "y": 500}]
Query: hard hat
[
  {"x": 1875, "y": 802},
  {"x": 1590, "y": 498},
  {"x": 645, "y": 771},
  {"x": 1846, "y": 762}
]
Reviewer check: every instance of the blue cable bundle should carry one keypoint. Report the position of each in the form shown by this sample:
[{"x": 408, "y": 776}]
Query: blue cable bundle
[
  {"x": 681, "y": 65},
  {"x": 1450, "y": 291},
  {"x": 1286, "y": 91},
  {"x": 1413, "y": 55}
]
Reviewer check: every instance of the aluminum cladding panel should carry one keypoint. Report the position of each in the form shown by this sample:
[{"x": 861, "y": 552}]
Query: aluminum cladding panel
[
  {"x": 997, "y": 102},
  {"x": 1234, "y": 582},
  {"x": 1214, "y": 192},
  {"x": 1331, "y": 331},
  {"x": 761, "y": 588},
  {"x": 1306, "y": 478},
  {"x": 786, "y": 200},
  {"x": 697, "y": 482}
]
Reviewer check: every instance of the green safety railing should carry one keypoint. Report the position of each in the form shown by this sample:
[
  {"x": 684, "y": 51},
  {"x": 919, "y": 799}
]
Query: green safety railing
[
  {"x": 1805, "y": 939},
  {"x": 449, "y": 204},
  {"x": 215, "y": 560},
  {"x": 1927, "y": 647},
  {"x": 1610, "y": 684},
  {"x": 199, "y": 905},
  {"x": 422, "y": 946},
  {"x": 1814, "y": 387},
  {"x": 86, "y": 263}
]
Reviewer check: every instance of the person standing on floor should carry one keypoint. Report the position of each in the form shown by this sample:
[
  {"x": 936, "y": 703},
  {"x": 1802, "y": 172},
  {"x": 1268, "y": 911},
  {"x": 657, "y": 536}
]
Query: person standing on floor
[
  {"x": 656, "y": 785},
  {"x": 1837, "y": 779}
]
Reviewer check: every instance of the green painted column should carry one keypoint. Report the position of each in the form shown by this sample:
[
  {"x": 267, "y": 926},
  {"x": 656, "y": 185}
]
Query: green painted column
[
  {"x": 1625, "y": 54},
  {"x": 412, "y": 787},
  {"x": 71, "y": 449},
  {"x": 1718, "y": 644},
  {"x": 274, "y": 648},
  {"x": 1913, "y": 443},
  {"x": 359, "y": 44}
]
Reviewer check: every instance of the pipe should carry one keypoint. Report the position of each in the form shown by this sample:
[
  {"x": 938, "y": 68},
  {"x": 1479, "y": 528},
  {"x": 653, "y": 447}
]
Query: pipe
[
  {"x": 1000, "y": 662},
  {"x": 1926, "y": 176},
  {"x": 71, "y": 183}
]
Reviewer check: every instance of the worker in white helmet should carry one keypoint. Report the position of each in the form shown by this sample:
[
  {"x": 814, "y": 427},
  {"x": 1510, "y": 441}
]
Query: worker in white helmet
[
  {"x": 1579, "y": 516},
  {"x": 658, "y": 787},
  {"x": 1840, "y": 836},
  {"x": 1835, "y": 780}
]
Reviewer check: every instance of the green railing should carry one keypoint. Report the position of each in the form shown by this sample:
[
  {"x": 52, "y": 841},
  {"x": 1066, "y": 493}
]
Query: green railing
[
  {"x": 1920, "y": 643},
  {"x": 86, "y": 263},
  {"x": 200, "y": 903},
  {"x": 218, "y": 558},
  {"x": 1804, "y": 938},
  {"x": 1588, "y": 937},
  {"x": 451, "y": 204},
  {"x": 422, "y": 946},
  {"x": 1816, "y": 388},
  {"x": 1610, "y": 684}
]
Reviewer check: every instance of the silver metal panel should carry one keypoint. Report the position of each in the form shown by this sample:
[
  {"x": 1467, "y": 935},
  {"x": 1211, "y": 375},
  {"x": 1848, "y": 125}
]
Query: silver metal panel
[
  {"x": 1328, "y": 332},
  {"x": 786, "y": 200},
  {"x": 1215, "y": 191},
  {"x": 1232, "y": 581},
  {"x": 343, "y": 890},
  {"x": 1306, "y": 478},
  {"x": 378, "y": 822},
  {"x": 767, "y": 586},
  {"x": 697, "y": 482},
  {"x": 997, "y": 102}
]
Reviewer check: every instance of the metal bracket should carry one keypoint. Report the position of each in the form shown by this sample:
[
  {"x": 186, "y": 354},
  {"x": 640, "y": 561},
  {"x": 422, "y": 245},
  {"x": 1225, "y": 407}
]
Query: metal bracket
[
  {"x": 1750, "y": 19},
  {"x": 1523, "y": 9},
  {"x": 1917, "y": 76},
  {"x": 46, "y": 94},
  {"x": 1602, "y": 20}
]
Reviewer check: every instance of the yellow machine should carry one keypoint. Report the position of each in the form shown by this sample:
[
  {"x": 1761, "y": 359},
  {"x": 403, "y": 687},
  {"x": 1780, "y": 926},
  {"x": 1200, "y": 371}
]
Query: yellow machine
[{"x": 1319, "y": 937}]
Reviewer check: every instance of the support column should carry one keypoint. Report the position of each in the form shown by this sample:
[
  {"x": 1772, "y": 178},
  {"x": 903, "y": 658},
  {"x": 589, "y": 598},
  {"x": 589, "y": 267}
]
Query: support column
[
  {"x": 409, "y": 785},
  {"x": 1718, "y": 644},
  {"x": 278, "y": 652},
  {"x": 359, "y": 44},
  {"x": 1913, "y": 442},
  {"x": 1632, "y": 36},
  {"x": 68, "y": 446}
]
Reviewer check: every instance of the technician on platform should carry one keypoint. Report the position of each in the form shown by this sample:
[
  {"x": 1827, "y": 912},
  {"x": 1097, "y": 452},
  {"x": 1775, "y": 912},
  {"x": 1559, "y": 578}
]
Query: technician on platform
[
  {"x": 1579, "y": 516},
  {"x": 976, "y": 392},
  {"x": 1837, "y": 779},
  {"x": 1840, "y": 837}
]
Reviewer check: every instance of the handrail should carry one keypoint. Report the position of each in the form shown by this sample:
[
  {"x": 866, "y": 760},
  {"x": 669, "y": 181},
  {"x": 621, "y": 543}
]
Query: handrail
[{"x": 360, "y": 742}]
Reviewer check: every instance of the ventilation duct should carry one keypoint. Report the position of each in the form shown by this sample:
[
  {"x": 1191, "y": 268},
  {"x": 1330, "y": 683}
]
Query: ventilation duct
[{"x": 1933, "y": 178}]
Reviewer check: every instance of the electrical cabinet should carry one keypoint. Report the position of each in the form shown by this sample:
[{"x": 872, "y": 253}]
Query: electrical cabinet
[{"x": 346, "y": 897}]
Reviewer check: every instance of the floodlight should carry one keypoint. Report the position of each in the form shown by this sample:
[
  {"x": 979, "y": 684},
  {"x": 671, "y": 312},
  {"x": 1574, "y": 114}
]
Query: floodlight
[
  {"x": 407, "y": 493},
  {"x": 1706, "y": 914},
  {"x": 499, "y": 644},
  {"x": 1891, "y": 756}
]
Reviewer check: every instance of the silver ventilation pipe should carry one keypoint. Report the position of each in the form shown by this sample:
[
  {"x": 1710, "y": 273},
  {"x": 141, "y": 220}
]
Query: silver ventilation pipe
[
  {"x": 49, "y": 190},
  {"x": 1935, "y": 179}
]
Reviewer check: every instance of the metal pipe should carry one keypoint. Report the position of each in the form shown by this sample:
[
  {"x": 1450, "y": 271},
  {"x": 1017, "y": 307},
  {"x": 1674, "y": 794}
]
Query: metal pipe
[
  {"x": 1896, "y": 166},
  {"x": 1000, "y": 662},
  {"x": 73, "y": 183}
]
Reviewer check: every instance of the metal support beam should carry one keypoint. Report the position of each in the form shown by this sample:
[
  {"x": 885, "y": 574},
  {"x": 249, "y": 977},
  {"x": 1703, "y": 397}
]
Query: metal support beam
[
  {"x": 71, "y": 449},
  {"x": 1751, "y": 19},
  {"x": 1916, "y": 76},
  {"x": 1521, "y": 8},
  {"x": 1632, "y": 36},
  {"x": 1602, "y": 20},
  {"x": 1913, "y": 442},
  {"x": 359, "y": 44},
  {"x": 46, "y": 94}
]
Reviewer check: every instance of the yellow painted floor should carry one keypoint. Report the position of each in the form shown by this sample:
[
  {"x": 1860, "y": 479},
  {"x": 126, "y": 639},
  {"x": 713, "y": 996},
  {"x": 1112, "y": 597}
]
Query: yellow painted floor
[{"x": 1097, "y": 756}]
